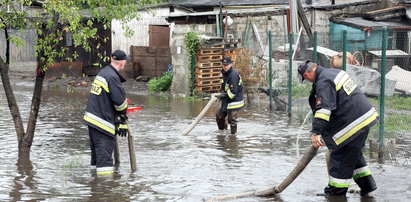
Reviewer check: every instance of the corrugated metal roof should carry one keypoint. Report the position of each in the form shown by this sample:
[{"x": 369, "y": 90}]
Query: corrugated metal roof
[
  {"x": 233, "y": 12},
  {"x": 361, "y": 23},
  {"x": 213, "y": 3}
]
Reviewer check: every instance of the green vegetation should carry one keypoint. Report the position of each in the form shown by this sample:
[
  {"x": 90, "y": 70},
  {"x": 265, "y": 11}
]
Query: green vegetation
[
  {"x": 397, "y": 122},
  {"x": 300, "y": 90},
  {"x": 75, "y": 162},
  {"x": 192, "y": 41},
  {"x": 193, "y": 98},
  {"x": 394, "y": 102},
  {"x": 162, "y": 83}
]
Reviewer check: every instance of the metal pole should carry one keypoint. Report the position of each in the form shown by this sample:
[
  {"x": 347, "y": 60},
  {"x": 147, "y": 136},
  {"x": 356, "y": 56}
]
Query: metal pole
[
  {"x": 344, "y": 50},
  {"x": 290, "y": 73},
  {"x": 221, "y": 20},
  {"x": 382, "y": 92},
  {"x": 218, "y": 25},
  {"x": 315, "y": 47},
  {"x": 247, "y": 25},
  {"x": 270, "y": 64},
  {"x": 193, "y": 64}
]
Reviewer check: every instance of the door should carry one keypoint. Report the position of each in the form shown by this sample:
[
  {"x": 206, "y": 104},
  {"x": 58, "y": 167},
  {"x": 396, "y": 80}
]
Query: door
[{"x": 159, "y": 35}]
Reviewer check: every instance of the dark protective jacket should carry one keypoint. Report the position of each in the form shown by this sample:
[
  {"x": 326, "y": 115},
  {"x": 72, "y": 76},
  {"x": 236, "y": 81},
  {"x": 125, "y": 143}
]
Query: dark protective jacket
[
  {"x": 340, "y": 108},
  {"x": 232, "y": 85},
  {"x": 106, "y": 101}
]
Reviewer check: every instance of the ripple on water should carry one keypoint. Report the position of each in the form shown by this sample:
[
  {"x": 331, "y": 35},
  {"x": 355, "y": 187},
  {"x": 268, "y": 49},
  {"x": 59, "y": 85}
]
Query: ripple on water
[{"x": 171, "y": 167}]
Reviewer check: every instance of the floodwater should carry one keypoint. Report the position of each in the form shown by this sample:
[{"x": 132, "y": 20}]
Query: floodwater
[{"x": 170, "y": 167}]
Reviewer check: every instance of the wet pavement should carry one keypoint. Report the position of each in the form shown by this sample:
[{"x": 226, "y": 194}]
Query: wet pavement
[{"x": 170, "y": 167}]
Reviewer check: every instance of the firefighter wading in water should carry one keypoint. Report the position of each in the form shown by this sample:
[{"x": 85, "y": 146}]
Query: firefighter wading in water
[
  {"x": 106, "y": 113},
  {"x": 342, "y": 117},
  {"x": 232, "y": 98}
]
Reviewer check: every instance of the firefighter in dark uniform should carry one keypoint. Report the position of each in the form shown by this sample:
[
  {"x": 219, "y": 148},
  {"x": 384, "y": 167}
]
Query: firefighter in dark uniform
[
  {"x": 106, "y": 113},
  {"x": 232, "y": 97},
  {"x": 342, "y": 117}
]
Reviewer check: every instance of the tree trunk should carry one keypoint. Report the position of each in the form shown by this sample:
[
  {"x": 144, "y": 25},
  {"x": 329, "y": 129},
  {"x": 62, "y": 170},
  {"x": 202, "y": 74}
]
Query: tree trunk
[
  {"x": 11, "y": 100},
  {"x": 25, "y": 139},
  {"x": 26, "y": 142}
]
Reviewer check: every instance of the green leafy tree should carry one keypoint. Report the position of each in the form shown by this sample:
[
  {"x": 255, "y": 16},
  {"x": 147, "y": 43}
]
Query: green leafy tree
[{"x": 56, "y": 18}]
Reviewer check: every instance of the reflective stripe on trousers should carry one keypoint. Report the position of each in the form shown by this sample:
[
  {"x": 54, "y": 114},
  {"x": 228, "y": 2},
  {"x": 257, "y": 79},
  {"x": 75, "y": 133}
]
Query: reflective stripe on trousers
[{"x": 105, "y": 171}]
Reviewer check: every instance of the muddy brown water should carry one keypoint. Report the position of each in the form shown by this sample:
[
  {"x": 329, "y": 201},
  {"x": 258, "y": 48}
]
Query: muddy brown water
[{"x": 170, "y": 167}]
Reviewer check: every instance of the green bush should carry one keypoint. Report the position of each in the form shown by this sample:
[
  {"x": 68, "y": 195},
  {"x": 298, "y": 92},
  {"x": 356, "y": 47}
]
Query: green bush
[{"x": 162, "y": 83}]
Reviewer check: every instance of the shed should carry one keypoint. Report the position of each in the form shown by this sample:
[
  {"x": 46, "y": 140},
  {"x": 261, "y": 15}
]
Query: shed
[
  {"x": 149, "y": 46},
  {"x": 365, "y": 34},
  {"x": 250, "y": 18}
]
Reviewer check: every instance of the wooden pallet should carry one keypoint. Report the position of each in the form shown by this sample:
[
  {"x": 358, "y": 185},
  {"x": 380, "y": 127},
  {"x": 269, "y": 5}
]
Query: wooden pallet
[
  {"x": 208, "y": 82},
  {"x": 216, "y": 75},
  {"x": 209, "y": 65},
  {"x": 209, "y": 58},
  {"x": 230, "y": 52},
  {"x": 210, "y": 51},
  {"x": 208, "y": 70},
  {"x": 208, "y": 88}
]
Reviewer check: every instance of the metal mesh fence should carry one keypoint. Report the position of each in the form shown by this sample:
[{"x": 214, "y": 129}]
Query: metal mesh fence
[{"x": 366, "y": 58}]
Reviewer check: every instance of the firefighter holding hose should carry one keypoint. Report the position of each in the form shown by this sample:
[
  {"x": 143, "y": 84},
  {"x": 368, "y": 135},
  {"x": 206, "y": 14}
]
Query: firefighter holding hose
[
  {"x": 232, "y": 97},
  {"x": 342, "y": 118},
  {"x": 105, "y": 114}
]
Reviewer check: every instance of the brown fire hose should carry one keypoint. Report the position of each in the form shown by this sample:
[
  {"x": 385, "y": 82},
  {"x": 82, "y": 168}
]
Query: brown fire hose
[
  {"x": 202, "y": 113},
  {"x": 304, "y": 161},
  {"x": 131, "y": 151}
]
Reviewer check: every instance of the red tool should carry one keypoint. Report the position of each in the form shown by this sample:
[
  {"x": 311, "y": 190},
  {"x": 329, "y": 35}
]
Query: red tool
[{"x": 132, "y": 109}]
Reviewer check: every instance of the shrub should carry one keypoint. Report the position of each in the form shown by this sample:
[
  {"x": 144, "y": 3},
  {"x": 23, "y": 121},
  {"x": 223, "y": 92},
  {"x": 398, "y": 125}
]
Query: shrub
[{"x": 162, "y": 83}]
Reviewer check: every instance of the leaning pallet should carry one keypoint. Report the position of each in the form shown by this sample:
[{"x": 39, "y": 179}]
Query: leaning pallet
[{"x": 208, "y": 70}]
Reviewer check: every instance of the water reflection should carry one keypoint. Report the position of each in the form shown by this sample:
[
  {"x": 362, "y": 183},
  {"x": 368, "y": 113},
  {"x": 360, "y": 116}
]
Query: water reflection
[
  {"x": 106, "y": 188},
  {"x": 170, "y": 167},
  {"x": 229, "y": 144},
  {"x": 24, "y": 180}
]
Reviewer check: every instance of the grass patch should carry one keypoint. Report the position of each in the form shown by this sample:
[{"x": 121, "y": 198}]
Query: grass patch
[
  {"x": 397, "y": 122},
  {"x": 394, "y": 102},
  {"x": 73, "y": 163},
  {"x": 194, "y": 98},
  {"x": 299, "y": 90}
]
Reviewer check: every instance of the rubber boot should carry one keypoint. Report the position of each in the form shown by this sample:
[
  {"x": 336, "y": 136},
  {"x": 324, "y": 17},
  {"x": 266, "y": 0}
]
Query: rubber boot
[
  {"x": 233, "y": 128},
  {"x": 335, "y": 191},
  {"x": 232, "y": 120},
  {"x": 220, "y": 117},
  {"x": 221, "y": 123},
  {"x": 367, "y": 184}
]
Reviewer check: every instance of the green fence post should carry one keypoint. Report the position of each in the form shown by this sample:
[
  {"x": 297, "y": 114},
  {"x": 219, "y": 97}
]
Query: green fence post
[
  {"x": 290, "y": 73},
  {"x": 315, "y": 47},
  {"x": 270, "y": 65},
  {"x": 344, "y": 50},
  {"x": 382, "y": 92},
  {"x": 193, "y": 65}
]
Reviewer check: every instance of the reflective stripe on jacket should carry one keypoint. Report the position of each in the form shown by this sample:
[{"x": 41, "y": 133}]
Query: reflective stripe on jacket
[
  {"x": 107, "y": 99},
  {"x": 340, "y": 103},
  {"x": 232, "y": 84}
]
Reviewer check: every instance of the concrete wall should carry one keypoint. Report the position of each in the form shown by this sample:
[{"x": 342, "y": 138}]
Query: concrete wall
[{"x": 181, "y": 56}]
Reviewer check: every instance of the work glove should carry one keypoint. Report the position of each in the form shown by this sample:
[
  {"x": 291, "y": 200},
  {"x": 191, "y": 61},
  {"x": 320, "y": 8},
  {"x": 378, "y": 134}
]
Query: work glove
[{"x": 121, "y": 125}]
